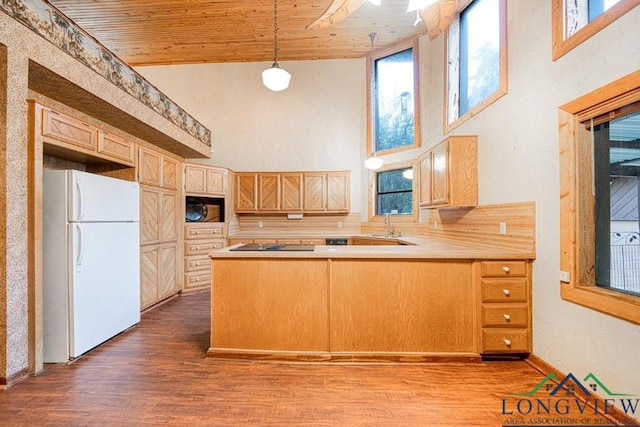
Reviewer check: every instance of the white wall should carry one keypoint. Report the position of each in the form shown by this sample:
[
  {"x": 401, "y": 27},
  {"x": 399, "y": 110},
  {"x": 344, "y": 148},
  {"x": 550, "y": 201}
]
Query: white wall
[
  {"x": 319, "y": 123},
  {"x": 316, "y": 124}
]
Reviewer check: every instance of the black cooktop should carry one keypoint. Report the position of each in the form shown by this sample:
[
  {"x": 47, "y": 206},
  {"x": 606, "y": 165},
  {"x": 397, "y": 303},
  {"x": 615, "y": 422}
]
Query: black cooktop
[{"x": 275, "y": 247}]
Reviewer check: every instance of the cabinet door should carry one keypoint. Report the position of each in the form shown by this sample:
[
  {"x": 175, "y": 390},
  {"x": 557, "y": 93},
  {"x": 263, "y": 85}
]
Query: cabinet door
[
  {"x": 149, "y": 261},
  {"x": 58, "y": 127},
  {"x": 315, "y": 192},
  {"x": 425, "y": 179},
  {"x": 291, "y": 196},
  {"x": 149, "y": 215},
  {"x": 168, "y": 216},
  {"x": 269, "y": 192},
  {"x": 149, "y": 167},
  {"x": 216, "y": 181},
  {"x": 116, "y": 148},
  {"x": 195, "y": 177},
  {"x": 337, "y": 192},
  {"x": 170, "y": 174},
  {"x": 440, "y": 174},
  {"x": 168, "y": 270},
  {"x": 246, "y": 192}
]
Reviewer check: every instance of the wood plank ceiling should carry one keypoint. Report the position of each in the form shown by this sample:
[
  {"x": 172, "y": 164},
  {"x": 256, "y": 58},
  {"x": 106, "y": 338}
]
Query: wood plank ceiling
[{"x": 150, "y": 32}]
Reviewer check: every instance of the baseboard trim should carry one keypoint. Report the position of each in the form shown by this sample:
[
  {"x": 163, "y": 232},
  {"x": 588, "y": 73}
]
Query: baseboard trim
[
  {"x": 545, "y": 368},
  {"x": 6, "y": 382}
]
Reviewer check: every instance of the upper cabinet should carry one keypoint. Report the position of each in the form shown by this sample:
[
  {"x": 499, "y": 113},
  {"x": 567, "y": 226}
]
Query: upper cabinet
[
  {"x": 449, "y": 173},
  {"x": 70, "y": 138},
  {"x": 291, "y": 192},
  {"x": 156, "y": 169},
  {"x": 205, "y": 180}
]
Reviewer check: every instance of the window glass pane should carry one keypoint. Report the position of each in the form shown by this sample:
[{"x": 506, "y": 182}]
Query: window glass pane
[
  {"x": 597, "y": 7},
  {"x": 617, "y": 232},
  {"x": 479, "y": 53},
  {"x": 394, "y": 101},
  {"x": 394, "y": 192}
]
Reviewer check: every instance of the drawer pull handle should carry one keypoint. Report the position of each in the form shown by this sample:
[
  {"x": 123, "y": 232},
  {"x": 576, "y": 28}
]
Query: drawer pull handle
[
  {"x": 507, "y": 292},
  {"x": 506, "y": 269},
  {"x": 198, "y": 279},
  {"x": 216, "y": 231},
  {"x": 507, "y": 342},
  {"x": 507, "y": 316},
  {"x": 197, "y": 247},
  {"x": 197, "y": 263},
  {"x": 197, "y": 232}
]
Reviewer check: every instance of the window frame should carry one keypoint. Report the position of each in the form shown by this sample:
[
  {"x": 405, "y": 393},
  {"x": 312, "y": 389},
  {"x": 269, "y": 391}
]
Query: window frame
[
  {"x": 373, "y": 192},
  {"x": 561, "y": 45},
  {"x": 577, "y": 228},
  {"x": 371, "y": 99},
  {"x": 451, "y": 96}
]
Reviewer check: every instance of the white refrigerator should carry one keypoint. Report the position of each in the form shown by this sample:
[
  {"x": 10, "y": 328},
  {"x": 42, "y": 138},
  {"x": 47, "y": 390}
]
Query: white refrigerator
[{"x": 91, "y": 244}]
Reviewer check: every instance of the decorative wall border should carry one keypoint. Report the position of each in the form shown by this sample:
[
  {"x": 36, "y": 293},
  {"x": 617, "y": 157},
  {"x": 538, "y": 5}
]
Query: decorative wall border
[{"x": 49, "y": 23}]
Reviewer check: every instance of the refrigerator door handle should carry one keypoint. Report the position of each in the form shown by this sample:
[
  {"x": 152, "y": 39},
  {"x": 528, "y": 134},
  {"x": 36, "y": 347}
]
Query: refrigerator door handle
[
  {"x": 79, "y": 187},
  {"x": 80, "y": 257}
]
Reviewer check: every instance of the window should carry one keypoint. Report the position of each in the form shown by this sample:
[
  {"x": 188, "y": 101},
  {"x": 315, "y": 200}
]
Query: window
[
  {"x": 476, "y": 60},
  {"x": 575, "y": 21},
  {"x": 394, "y": 112},
  {"x": 599, "y": 170},
  {"x": 394, "y": 192}
]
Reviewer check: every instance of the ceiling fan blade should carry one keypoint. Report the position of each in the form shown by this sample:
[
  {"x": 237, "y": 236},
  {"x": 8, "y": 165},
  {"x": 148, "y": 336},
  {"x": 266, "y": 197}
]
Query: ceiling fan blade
[{"x": 336, "y": 12}]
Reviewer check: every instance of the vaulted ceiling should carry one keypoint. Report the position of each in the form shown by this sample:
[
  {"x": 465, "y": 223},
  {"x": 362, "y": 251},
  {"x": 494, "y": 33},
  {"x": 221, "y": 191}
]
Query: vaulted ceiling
[{"x": 147, "y": 32}]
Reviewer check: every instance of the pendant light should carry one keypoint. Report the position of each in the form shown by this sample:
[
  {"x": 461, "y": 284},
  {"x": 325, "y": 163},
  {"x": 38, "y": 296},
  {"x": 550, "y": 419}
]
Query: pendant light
[
  {"x": 275, "y": 78},
  {"x": 373, "y": 162}
]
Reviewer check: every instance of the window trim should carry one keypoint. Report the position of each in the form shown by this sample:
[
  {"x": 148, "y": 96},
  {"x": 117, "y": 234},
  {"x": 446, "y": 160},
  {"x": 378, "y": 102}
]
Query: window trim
[
  {"x": 576, "y": 201},
  {"x": 413, "y": 217},
  {"x": 503, "y": 86},
  {"x": 561, "y": 45},
  {"x": 371, "y": 58}
]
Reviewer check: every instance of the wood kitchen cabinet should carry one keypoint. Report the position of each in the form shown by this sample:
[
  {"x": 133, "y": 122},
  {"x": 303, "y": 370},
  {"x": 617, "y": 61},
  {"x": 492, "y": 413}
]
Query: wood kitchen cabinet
[
  {"x": 199, "y": 240},
  {"x": 158, "y": 273},
  {"x": 326, "y": 192},
  {"x": 205, "y": 180},
  {"x": 269, "y": 193},
  {"x": 246, "y": 192},
  {"x": 449, "y": 173},
  {"x": 504, "y": 298},
  {"x": 289, "y": 192},
  {"x": 161, "y": 206},
  {"x": 70, "y": 138}
]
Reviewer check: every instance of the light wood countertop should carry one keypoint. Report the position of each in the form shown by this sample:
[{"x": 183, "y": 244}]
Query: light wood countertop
[{"x": 416, "y": 248}]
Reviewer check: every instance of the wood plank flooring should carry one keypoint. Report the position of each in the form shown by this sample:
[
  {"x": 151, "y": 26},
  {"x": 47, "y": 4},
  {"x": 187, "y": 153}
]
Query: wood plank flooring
[{"x": 156, "y": 374}]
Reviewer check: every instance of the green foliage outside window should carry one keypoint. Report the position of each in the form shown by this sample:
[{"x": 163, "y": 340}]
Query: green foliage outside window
[{"x": 394, "y": 192}]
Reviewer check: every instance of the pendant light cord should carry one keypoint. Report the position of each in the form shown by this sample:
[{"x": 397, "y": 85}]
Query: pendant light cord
[{"x": 275, "y": 33}]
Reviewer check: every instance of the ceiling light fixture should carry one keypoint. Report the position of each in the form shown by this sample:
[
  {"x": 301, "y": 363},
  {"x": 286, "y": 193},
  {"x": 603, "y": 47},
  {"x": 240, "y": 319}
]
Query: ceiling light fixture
[
  {"x": 375, "y": 2},
  {"x": 275, "y": 78},
  {"x": 419, "y": 4}
]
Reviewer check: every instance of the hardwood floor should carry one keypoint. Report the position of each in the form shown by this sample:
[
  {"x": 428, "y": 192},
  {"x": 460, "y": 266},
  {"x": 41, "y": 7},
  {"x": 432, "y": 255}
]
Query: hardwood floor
[{"x": 157, "y": 374}]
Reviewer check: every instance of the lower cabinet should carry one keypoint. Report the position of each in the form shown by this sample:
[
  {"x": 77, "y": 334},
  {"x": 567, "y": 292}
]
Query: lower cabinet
[
  {"x": 158, "y": 273},
  {"x": 200, "y": 240},
  {"x": 504, "y": 293}
]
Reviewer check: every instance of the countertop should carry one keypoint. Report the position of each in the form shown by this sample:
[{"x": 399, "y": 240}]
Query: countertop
[{"x": 416, "y": 248}]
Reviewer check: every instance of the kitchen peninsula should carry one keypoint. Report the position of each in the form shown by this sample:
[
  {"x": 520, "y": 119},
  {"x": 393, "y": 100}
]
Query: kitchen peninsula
[{"x": 431, "y": 299}]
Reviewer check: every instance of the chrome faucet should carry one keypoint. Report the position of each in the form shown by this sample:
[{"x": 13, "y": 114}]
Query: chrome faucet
[{"x": 387, "y": 220}]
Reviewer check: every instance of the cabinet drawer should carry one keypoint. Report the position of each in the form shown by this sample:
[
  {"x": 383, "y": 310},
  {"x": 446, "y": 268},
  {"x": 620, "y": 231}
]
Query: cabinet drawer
[
  {"x": 288, "y": 241},
  {"x": 505, "y": 315},
  {"x": 503, "y": 268},
  {"x": 504, "y": 290},
  {"x": 197, "y": 263},
  {"x": 203, "y": 232},
  {"x": 202, "y": 247},
  {"x": 505, "y": 340},
  {"x": 197, "y": 279},
  {"x": 312, "y": 241}
]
